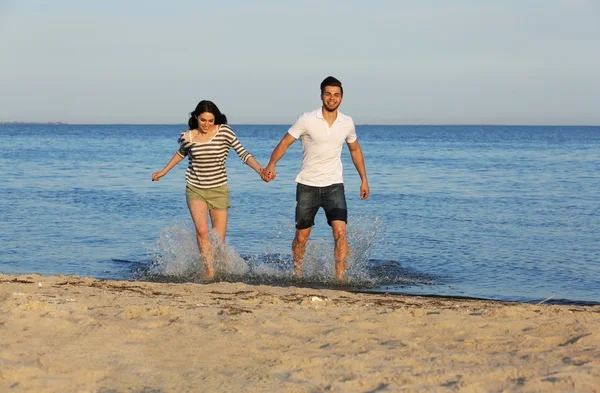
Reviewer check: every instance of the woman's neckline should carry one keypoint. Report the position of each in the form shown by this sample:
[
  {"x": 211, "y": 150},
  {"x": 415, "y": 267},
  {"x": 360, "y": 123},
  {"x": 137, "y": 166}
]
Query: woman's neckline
[{"x": 208, "y": 141}]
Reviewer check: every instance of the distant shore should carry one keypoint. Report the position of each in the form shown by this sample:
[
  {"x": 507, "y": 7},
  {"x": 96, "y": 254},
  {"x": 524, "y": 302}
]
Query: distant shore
[
  {"x": 74, "y": 334},
  {"x": 33, "y": 122}
]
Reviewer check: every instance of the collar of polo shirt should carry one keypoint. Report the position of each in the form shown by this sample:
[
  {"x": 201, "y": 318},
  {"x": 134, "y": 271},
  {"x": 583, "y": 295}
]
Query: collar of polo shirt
[{"x": 338, "y": 118}]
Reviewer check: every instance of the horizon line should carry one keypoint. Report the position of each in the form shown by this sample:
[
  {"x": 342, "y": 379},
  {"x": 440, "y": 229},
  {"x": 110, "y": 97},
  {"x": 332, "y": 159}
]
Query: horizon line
[{"x": 61, "y": 123}]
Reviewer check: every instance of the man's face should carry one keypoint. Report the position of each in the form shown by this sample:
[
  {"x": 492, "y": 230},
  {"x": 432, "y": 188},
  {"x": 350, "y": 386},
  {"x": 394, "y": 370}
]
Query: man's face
[{"x": 331, "y": 97}]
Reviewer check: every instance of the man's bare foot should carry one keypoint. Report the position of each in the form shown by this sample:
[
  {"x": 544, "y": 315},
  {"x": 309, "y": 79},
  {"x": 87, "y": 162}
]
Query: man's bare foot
[
  {"x": 340, "y": 270},
  {"x": 340, "y": 284},
  {"x": 298, "y": 272}
]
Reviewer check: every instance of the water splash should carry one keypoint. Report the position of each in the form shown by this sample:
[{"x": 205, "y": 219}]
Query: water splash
[
  {"x": 175, "y": 257},
  {"x": 175, "y": 254}
]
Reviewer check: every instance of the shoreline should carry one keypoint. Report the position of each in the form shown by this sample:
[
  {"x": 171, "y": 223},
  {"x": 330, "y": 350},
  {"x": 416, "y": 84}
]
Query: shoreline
[
  {"x": 77, "y": 334},
  {"x": 551, "y": 300},
  {"x": 548, "y": 301}
]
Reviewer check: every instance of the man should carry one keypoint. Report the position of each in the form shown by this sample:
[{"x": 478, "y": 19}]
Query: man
[{"x": 320, "y": 182}]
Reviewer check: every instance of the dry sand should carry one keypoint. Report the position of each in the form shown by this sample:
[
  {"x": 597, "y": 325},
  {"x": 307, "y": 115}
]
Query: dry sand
[{"x": 73, "y": 334}]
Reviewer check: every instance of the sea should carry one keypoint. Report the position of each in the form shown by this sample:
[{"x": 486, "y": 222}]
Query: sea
[{"x": 508, "y": 213}]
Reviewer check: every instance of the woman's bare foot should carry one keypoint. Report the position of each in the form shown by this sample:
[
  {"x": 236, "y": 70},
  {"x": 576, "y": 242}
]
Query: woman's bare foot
[{"x": 210, "y": 273}]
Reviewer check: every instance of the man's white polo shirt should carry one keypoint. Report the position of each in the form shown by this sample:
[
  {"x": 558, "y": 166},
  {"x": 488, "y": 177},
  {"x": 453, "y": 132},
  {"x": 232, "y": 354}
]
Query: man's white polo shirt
[{"x": 322, "y": 147}]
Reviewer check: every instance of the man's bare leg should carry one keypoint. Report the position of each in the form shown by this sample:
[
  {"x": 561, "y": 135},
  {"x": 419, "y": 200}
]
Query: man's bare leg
[
  {"x": 298, "y": 250},
  {"x": 341, "y": 248}
]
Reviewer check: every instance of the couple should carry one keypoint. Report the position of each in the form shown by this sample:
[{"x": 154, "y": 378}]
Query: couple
[{"x": 319, "y": 183}]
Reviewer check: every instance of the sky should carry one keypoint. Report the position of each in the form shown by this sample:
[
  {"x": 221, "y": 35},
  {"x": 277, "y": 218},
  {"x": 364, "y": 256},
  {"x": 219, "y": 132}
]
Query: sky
[{"x": 400, "y": 61}]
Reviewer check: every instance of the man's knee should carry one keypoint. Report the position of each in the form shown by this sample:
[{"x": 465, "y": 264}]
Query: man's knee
[
  {"x": 301, "y": 239},
  {"x": 339, "y": 233}
]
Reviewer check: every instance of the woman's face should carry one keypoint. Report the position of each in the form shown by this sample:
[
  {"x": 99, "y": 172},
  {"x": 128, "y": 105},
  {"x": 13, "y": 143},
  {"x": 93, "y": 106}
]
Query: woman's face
[{"x": 206, "y": 121}]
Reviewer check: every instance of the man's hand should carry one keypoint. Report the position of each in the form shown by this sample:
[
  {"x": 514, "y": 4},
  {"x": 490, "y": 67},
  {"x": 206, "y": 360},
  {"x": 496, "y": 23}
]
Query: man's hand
[
  {"x": 364, "y": 191},
  {"x": 268, "y": 174}
]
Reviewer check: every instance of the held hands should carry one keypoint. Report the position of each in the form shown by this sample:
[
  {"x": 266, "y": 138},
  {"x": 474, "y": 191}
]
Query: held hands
[{"x": 268, "y": 174}]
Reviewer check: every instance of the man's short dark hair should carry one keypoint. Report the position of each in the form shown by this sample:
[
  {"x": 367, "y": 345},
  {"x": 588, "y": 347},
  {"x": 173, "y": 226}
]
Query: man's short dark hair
[{"x": 331, "y": 81}]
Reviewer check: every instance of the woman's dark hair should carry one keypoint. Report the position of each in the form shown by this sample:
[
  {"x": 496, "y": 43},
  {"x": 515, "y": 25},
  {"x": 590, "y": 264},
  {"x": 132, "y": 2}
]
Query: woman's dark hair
[{"x": 206, "y": 106}]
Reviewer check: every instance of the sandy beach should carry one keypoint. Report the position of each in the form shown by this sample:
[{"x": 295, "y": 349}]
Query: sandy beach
[{"x": 73, "y": 334}]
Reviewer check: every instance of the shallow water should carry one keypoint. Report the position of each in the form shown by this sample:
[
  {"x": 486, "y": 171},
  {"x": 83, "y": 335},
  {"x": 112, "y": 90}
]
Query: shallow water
[{"x": 497, "y": 212}]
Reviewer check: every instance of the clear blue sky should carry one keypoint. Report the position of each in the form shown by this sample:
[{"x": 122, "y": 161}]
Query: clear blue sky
[{"x": 401, "y": 62}]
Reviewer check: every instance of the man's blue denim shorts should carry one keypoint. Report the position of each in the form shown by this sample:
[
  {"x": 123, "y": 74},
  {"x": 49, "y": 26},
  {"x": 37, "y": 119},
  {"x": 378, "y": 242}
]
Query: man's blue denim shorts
[{"x": 309, "y": 199}]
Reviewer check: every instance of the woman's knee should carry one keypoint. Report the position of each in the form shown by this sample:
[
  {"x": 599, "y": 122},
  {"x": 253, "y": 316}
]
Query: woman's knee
[{"x": 202, "y": 233}]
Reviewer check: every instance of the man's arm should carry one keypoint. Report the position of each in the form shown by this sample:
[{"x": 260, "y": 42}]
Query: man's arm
[
  {"x": 268, "y": 173},
  {"x": 359, "y": 163}
]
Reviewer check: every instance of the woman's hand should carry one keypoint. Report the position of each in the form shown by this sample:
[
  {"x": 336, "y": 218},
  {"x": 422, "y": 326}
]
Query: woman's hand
[
  {"x": 268, "y": 174},
  {"x": 157, "y": 175}
]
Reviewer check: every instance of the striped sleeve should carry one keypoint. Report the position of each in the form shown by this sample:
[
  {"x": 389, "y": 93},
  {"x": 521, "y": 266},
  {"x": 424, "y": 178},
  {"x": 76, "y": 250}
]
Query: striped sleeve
[
  {"x": 184, "y": 146},
  {"x": 237, "y": 146}
]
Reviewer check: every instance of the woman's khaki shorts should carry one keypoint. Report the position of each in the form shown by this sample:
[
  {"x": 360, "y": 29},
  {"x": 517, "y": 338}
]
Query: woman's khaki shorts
[{"x": 216, "y": 198}]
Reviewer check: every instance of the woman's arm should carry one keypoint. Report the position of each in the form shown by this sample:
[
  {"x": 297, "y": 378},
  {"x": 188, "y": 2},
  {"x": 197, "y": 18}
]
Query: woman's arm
[
  {"x": 174, "y": 161},
  {"x": 241, "y": 151},
  {"x": 252, "y": 163}
]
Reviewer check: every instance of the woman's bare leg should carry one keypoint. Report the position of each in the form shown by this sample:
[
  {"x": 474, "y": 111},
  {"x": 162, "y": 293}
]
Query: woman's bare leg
[
  {"x": 199, "y": 213},
  {"x": 218, "y": 219}
]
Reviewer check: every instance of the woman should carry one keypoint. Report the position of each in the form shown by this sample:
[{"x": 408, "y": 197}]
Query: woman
[{"x": 207, "y": 144}]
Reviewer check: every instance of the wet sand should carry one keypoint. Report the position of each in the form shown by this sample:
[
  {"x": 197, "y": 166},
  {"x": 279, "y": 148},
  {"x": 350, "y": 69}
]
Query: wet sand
[{"x": 73, "y": 334}]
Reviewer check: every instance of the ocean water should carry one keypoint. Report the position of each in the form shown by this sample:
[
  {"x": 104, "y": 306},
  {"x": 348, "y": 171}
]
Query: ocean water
[{"x": 494, "y": 212}]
